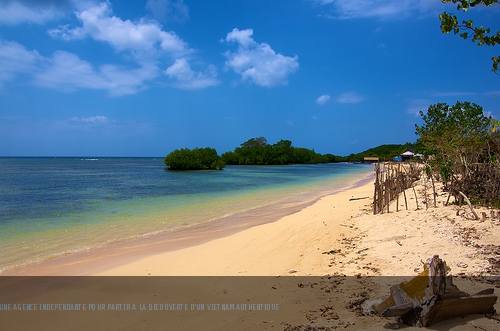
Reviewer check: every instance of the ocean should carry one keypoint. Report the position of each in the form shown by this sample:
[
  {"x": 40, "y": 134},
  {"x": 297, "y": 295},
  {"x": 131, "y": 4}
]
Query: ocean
[{"x": 51, "y": 207}]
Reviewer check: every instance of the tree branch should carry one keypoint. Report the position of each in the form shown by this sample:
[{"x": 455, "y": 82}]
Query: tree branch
[{"x": 470, "y": 205}]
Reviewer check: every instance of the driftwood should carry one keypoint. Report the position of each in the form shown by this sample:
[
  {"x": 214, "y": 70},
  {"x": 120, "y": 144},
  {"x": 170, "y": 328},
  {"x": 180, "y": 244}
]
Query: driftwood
[
  {"x": 431, "y": 297},
  {"x": 470, "y": 205},
  {"x": 352, "y": 199}
]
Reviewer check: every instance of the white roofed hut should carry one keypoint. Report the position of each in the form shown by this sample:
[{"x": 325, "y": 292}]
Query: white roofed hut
[{"x": 407, "y": 155}]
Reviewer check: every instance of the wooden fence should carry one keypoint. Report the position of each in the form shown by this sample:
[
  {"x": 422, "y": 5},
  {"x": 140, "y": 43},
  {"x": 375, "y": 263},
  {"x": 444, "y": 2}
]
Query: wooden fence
[{"x": 392, "y": 179}]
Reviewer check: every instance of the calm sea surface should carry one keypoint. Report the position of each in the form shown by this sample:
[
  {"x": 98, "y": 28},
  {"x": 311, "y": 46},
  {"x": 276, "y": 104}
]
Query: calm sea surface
[{"x": 54, "y": 206}]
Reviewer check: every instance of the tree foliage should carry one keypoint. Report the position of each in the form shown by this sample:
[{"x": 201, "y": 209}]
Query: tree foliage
[
  {"x": 257, "y": 151},
  {"x": 383, "y": 152},
  {"x": 195, "y": 159},
  {"x": 468, "y": 29},
  {"x": 465, "y": 149},
  {"x": 449, "y": 130}
]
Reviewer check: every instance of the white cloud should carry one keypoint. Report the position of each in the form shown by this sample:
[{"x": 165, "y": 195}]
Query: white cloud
[
  {"x": 94, "y": 119},
  {"x": 38, "y": 12},
  {"x": 139, "y": 37},
  {"x": 384, "y": 9},
  {"x": 323, "y": 99},
  {"x": 66, "y": 33},
  {"x": 258, "y": 63},
  {"x": 16, "y": 59},
  {"x": 243, "y": 37},
  {"x": 144, "y": 42},
  {"x": 67, "y": 72},
  {"x": 349, "y": 97},
  {"x": 188, "y": 79}
]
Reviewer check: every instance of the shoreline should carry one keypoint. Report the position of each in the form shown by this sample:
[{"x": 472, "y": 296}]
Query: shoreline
[
  {"x": 98, "y": 260},
  {"x": 319, "y": 265},
  {"x": 272, "y": 248}
]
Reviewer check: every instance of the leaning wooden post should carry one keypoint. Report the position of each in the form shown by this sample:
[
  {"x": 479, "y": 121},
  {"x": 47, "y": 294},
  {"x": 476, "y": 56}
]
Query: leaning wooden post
[
  {"x": 416, "y": 199},
  {"x": 470, "y": 205},
  {"x": 398, "y": 186},
  {"x": 387, "y": 192},
  {"x": 406, "y": 202},
  {"x": 376, "y": 188},
  {"x": 425, "y": 193},
  {"x": 405, "y": 186},
  {"x": 434, "y": 191},
  {"x": 397, "y": 197}
]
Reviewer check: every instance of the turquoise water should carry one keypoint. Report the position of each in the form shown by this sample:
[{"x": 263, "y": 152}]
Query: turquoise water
[{"x": 54, "y": 206}]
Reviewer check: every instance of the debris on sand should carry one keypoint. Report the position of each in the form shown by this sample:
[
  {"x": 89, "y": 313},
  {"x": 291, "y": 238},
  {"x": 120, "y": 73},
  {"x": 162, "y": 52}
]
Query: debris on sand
[{"x": 431, "y": 297}]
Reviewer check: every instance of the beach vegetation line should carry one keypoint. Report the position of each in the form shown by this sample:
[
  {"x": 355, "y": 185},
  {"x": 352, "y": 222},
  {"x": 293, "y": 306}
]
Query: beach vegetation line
[{"x": 462, "y": 146}]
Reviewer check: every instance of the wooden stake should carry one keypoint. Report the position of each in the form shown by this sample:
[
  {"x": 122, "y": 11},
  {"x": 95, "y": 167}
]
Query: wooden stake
[
  {"x": 416, "y": 199},
  {"x": 470, "y": 205}
]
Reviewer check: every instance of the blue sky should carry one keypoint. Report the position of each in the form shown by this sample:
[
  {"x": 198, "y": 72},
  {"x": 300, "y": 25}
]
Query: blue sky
[{"x": 141, "y": 78}]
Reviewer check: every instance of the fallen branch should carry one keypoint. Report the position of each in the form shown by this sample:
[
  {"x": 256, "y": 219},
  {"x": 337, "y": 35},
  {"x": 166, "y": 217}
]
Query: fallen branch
[
  {"x": 470, "y": 205},
  {"x": 351, "y": 199}
]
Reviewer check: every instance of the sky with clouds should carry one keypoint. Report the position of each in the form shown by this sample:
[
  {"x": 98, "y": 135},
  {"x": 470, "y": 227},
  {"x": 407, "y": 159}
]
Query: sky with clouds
[{"x": 141, "y": 78}]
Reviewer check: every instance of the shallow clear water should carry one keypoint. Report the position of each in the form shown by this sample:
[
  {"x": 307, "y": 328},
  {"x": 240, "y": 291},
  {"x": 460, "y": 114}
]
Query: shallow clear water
[{"x": 54, "y": 206}]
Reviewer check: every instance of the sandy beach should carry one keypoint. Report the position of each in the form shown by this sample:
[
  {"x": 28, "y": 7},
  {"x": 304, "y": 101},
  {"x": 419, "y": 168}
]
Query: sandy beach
[
  {"x": 317, "y": 266},
  {"x": 294, "y": 242}
]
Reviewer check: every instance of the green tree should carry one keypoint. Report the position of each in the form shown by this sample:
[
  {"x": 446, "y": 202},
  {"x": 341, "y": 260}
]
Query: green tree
[
  {"x": 230, "y": 157},
  {"x": 255, "y": 143},
  {"x": 468, "y": 29},
  {"x": 257, "y": 151},
  {"x": 281, "y": 152},
  {"x": 252, "y": 151},
  {"x": 330, "y": 157},
  {"x": 465, "y": 149},
  {"x": 196, "y": 159},
  {"x": 452, "y": 130}
]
